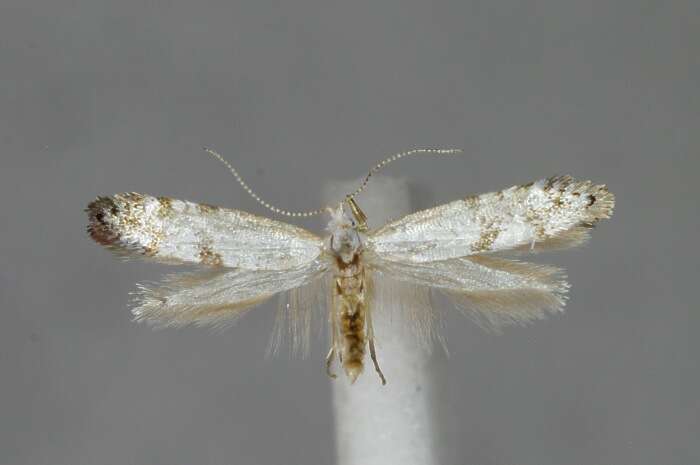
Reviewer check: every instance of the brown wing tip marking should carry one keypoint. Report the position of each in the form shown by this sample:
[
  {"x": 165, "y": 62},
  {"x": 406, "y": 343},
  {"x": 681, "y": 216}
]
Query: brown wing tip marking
[
  {"x": 100, "y": 228},
  {"x": 599, "y": 201},
  {"x": 113, "y": 220}
]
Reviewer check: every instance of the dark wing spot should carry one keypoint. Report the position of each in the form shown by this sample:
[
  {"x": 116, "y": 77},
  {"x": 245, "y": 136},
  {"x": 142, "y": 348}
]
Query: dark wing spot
[
  {"x": 98, "y": 212},
  {"x": 591, "y": 200}
]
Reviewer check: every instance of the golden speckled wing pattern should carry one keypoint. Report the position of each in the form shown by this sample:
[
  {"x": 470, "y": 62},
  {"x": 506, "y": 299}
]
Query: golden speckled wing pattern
[
  {"x": 553, "y": 211},
  {"x": 176, "y": 231}
]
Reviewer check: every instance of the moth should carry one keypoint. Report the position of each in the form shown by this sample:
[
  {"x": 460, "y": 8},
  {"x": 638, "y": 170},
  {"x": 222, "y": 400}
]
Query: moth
[{"x": 457, "y": 249}]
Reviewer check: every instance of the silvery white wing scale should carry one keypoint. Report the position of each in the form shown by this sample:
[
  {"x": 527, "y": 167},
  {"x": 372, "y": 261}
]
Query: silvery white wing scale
[{"x": 455, "y": 248}]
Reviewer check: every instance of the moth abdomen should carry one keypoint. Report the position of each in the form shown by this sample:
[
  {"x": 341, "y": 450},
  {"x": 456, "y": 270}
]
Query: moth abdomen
[{"x": 351, "y": 311}]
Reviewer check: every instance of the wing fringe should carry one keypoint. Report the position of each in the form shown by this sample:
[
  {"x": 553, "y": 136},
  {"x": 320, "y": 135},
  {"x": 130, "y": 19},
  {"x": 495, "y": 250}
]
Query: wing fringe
[
  {"x": 493, "y": 309},
  {"x": 152, "y": 303},
  {"x": 300, "y": 318}
]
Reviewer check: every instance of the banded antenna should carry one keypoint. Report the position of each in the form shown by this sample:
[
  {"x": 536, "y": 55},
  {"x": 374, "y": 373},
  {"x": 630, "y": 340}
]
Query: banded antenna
[
  {"x": 398, "y": 156},
  {"x": 349, "y": 197}
]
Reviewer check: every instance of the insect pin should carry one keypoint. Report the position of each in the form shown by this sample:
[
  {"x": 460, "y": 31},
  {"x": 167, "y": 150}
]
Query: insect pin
[{"x": 455, "y": 249}]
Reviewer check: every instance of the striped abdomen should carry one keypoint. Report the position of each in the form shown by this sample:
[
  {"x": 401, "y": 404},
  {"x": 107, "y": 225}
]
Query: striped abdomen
[{"x": 351, "y": 310}]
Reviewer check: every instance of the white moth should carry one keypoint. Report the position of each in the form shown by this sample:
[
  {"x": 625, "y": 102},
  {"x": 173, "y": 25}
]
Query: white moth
[{"x": 455, "y": 248}]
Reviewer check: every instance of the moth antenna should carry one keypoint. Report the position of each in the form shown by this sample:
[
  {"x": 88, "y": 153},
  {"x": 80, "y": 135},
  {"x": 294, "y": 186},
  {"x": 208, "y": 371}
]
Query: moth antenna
[
  {"x": 393, "y": 158},
  {"x": 255, "y": 196},
  {"x": 352, "y": 195}
]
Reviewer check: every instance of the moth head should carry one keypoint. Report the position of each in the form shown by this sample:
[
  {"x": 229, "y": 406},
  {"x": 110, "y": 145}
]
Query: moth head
[{"x": 345, "y": 239}]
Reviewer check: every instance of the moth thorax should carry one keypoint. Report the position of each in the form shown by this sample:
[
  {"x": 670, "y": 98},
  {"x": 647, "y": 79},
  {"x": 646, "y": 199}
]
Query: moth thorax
[{"x": 346, "y": 243}]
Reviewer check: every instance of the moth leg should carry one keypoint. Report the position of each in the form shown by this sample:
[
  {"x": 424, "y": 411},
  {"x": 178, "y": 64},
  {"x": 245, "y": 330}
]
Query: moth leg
[
  {"x": 329, "y": 362},
  {"x": 333, "y": 330},
  {"x": 372, "y": 350},
  {"x": 373, "y": 354}
]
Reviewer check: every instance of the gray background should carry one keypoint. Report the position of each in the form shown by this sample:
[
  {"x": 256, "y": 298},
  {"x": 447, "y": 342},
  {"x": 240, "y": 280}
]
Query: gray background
[{"x": 101, "y": 97}]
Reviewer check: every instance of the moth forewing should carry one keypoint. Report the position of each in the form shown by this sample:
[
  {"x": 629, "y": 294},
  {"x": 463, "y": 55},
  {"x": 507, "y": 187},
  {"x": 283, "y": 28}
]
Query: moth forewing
[
  {"x": 554, "y": 211},
  {"x": 181, "y": 232}
]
